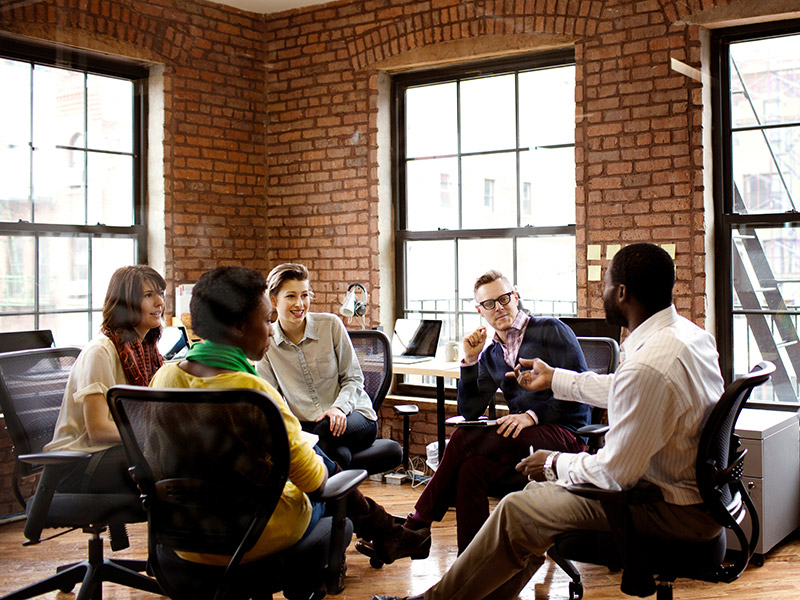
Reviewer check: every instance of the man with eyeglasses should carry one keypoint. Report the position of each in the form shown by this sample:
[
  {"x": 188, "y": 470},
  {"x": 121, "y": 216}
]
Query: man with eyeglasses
[{"x": 478, "y": 457}]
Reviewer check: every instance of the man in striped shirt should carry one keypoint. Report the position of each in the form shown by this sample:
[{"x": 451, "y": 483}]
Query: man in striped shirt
[{"x": 658, "y": 401}]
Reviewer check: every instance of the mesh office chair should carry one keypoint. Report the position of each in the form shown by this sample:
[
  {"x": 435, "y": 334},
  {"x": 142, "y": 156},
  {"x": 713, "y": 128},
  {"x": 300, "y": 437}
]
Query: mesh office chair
[
  {"x": 211, "y": 466},
  {"x": 645, "y": 559},
  {"x": 374, "y": 353},
  {"x": 12, "y": 341},
  {"x": 32, "y": 384}
]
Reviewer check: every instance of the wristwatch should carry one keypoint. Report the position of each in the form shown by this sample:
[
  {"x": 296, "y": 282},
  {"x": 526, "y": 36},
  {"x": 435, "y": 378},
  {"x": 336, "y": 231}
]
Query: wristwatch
[{"x": 549, "y": 471}]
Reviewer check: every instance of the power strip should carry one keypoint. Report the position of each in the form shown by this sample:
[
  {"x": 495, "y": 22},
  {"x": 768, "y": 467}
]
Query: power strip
[{"x": 395, "y": 478}]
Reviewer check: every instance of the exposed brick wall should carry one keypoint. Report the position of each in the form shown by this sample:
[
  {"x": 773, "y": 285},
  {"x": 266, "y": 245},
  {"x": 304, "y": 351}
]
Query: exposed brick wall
[
  {"x": 638, "y": 132},
  {"x": 214, "y": 130}
]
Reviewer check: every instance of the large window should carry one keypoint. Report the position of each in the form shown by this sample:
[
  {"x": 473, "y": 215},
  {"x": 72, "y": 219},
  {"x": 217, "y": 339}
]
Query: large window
[
  {"x": 71, "y": 210},
  {"x": 757, "y": 192},
  {"x": 485, "y": 179}
]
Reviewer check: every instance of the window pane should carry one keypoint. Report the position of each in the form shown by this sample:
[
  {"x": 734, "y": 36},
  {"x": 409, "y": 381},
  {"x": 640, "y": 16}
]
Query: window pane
[
  {"x": 58, "y": 186},
  {"x": 766, "y": 170},
  {"x": 110, "y": 189},
  {"x": 17, "y": 281},
  {"x": 17, "y": 323},
  {"x": 766, "y": 286},
  {"x": 431, "y": 120},
  {"x": 63, "y": 273},
  {"x": 71, "y": 329},
  {"x": 15, "y": 108},
  {"x": 547, "y": 107},
  {"x": 58, "y": 107},
  {"x": 765, "y": 75},
  {"x": 475, "y": 257},
  {"x": 489, "y": 191},
  {"x": 488, "y": 114},
  {"x": 430, "y": 276},
  {"x": 110, "y": 113},
  {"x": 15, "y": 171},
  {"x": 432, "y": 194},
  {"x": 548, "y": 177},
  {"x": 546, "y": 275},
  {"x": 108, "y": 255}
]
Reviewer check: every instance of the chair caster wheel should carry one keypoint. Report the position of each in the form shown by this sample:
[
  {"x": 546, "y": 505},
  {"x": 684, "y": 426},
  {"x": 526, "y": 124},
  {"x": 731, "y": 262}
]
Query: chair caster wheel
[
  {"x": 575, "y": 590},
  {"x": 375, "y": 563}
]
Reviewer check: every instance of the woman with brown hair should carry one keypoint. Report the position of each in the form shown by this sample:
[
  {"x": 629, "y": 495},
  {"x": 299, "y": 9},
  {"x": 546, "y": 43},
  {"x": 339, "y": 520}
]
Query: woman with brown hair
[{"x": 124, "y": 352}]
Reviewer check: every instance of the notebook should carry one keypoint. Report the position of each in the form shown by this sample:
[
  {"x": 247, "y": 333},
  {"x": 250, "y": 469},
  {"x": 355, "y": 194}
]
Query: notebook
[
  {"x": 415, "y": 340},
  {"x": 173, "y": 343}
]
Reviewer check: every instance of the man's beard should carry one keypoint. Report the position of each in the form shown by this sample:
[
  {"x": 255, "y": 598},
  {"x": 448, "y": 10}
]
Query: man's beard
[{"x": 613, "y": 314}]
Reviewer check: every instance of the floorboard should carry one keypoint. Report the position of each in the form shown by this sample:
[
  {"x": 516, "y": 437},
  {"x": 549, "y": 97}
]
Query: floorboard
[{"x": 778, "y": 579}]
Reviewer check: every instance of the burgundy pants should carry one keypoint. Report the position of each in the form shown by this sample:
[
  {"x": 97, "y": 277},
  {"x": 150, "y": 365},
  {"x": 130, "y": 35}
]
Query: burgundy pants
[{"x": 474, "y": 459}]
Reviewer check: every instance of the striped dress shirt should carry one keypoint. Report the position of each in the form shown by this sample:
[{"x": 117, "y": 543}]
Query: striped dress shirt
[{"x": 658, "y": 401}]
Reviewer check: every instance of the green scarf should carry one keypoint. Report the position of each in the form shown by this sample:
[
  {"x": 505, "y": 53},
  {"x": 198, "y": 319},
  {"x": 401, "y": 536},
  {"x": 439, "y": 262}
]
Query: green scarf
[{"x": 221, "y": 356}]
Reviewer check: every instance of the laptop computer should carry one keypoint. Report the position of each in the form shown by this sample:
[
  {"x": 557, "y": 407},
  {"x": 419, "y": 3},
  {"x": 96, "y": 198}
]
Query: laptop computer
[
  {"x": 415, "y": 340},
  {"x": 173, "y": 343}
]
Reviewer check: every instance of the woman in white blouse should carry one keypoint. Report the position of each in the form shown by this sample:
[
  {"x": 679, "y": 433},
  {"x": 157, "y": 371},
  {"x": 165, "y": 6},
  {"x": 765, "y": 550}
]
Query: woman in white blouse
[
  {"x": 123, "y": 352},
  {"x": 312, "y": 363}
]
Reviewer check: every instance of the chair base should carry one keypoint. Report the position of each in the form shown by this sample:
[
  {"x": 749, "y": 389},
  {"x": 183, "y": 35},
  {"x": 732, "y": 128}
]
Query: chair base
[{"x": 91, "y": 574}]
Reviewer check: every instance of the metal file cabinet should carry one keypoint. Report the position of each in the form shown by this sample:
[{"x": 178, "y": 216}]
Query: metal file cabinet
[{"x": 771, "y": 474}]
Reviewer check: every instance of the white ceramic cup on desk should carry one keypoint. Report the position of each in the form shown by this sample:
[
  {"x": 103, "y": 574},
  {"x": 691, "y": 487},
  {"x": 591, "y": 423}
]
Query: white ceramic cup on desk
[{"x": 451, "y": 351}]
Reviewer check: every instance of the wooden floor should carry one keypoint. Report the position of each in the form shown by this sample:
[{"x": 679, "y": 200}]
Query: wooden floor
[{"x": 778, "y": 579}]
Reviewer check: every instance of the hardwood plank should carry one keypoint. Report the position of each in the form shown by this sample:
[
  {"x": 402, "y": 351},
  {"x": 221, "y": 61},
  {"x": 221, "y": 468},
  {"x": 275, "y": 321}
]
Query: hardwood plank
[{"x": 778, "y": 579}]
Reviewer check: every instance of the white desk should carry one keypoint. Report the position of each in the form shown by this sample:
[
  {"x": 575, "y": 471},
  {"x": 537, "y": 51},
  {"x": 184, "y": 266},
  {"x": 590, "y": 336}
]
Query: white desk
[{"x": 441, "y": 370}]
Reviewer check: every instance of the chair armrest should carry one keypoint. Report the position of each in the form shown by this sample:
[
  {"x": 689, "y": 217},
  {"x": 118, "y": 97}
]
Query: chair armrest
[
  {"x": 406, "y": 409},
  {"x": 342, "y": 483},
  {"x": 59, "y": 457},
  {"x": 593, "y": 429},
  {"x": 643, "y": 493}
]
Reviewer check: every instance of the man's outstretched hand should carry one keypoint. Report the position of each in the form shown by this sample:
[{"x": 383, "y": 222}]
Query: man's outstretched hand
[{"x": 538, "y": 375}]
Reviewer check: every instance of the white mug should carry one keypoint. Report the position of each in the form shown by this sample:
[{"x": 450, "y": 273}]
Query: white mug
[{"x": 451, "y": 351}]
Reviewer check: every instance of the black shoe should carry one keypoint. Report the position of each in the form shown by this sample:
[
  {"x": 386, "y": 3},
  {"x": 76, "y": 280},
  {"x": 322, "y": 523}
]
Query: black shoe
[{"x": 415, "y": 544}]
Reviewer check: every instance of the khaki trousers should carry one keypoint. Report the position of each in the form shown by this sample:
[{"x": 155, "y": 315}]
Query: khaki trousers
[{"x": 511, "y": 545}]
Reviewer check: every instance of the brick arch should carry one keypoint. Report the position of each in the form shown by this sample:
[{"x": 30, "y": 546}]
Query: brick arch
[
  {"x": 118, "y": 29},
  {"x": 397, "y": 34}
]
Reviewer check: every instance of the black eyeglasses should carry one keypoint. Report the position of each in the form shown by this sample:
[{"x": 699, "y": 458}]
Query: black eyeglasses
[{"x": 502, "y": 300}]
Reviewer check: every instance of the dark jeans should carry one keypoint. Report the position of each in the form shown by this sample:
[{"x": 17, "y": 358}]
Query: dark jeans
[
  {"x": 106, "y": 472},
  {"x": 359, "y": 434},
  {"x": 474, "y": 459}
]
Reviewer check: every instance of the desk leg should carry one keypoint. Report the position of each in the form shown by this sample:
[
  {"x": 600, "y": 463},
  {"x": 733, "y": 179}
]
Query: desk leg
[{"x": 440, "y": 416}]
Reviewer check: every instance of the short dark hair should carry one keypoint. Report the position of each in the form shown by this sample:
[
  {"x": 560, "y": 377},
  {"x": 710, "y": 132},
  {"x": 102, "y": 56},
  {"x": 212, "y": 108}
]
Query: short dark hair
[
  {"x": 488, "y": 277},
  {"x": 283, "y": 273},
  {"x": 122, "y": 308},
  {"x": 648, "y": 273},
  {"x": 223, "y": 297}
]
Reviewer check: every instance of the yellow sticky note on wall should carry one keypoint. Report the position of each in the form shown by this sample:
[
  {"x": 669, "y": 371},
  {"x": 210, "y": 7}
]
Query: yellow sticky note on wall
[
  {"x": 593, "y": 273},
  {"x": 611, "y": 250},
  {"x": 670, "y": 248},
  {"x": 593, "y": 252}
]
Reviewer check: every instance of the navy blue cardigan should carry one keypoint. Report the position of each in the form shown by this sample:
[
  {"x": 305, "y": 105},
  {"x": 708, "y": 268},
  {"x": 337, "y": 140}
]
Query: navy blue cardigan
[{"x": 546, "y": 338}]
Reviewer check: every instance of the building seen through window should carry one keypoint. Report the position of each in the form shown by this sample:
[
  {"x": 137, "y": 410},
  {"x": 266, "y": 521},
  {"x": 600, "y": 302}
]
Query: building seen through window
[
  {"x": 758, "y": 199},
  {"x": 485, "y": 168}
]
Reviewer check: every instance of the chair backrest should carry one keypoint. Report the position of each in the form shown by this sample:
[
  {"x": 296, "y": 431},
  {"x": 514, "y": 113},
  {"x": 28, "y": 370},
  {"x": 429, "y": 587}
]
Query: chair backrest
[
  {"x": 12, "y": 341},
  {"x": 720, "y": 463},
  {"x": 211, "y": 466},
  {"x": 374, "y": 352},
  {"x": 601, "y": 354},
  {"x": 32, "y": 384},
  {"x": 592, "y": 327}
]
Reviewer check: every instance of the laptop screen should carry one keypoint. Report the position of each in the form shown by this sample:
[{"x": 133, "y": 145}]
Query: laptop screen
[
  {"x": 415, "y": 337},
  {"x": 173, "y": 343}
]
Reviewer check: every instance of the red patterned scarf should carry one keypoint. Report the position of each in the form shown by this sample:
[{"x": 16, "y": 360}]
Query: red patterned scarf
[{"x": 140, "y": 360}]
